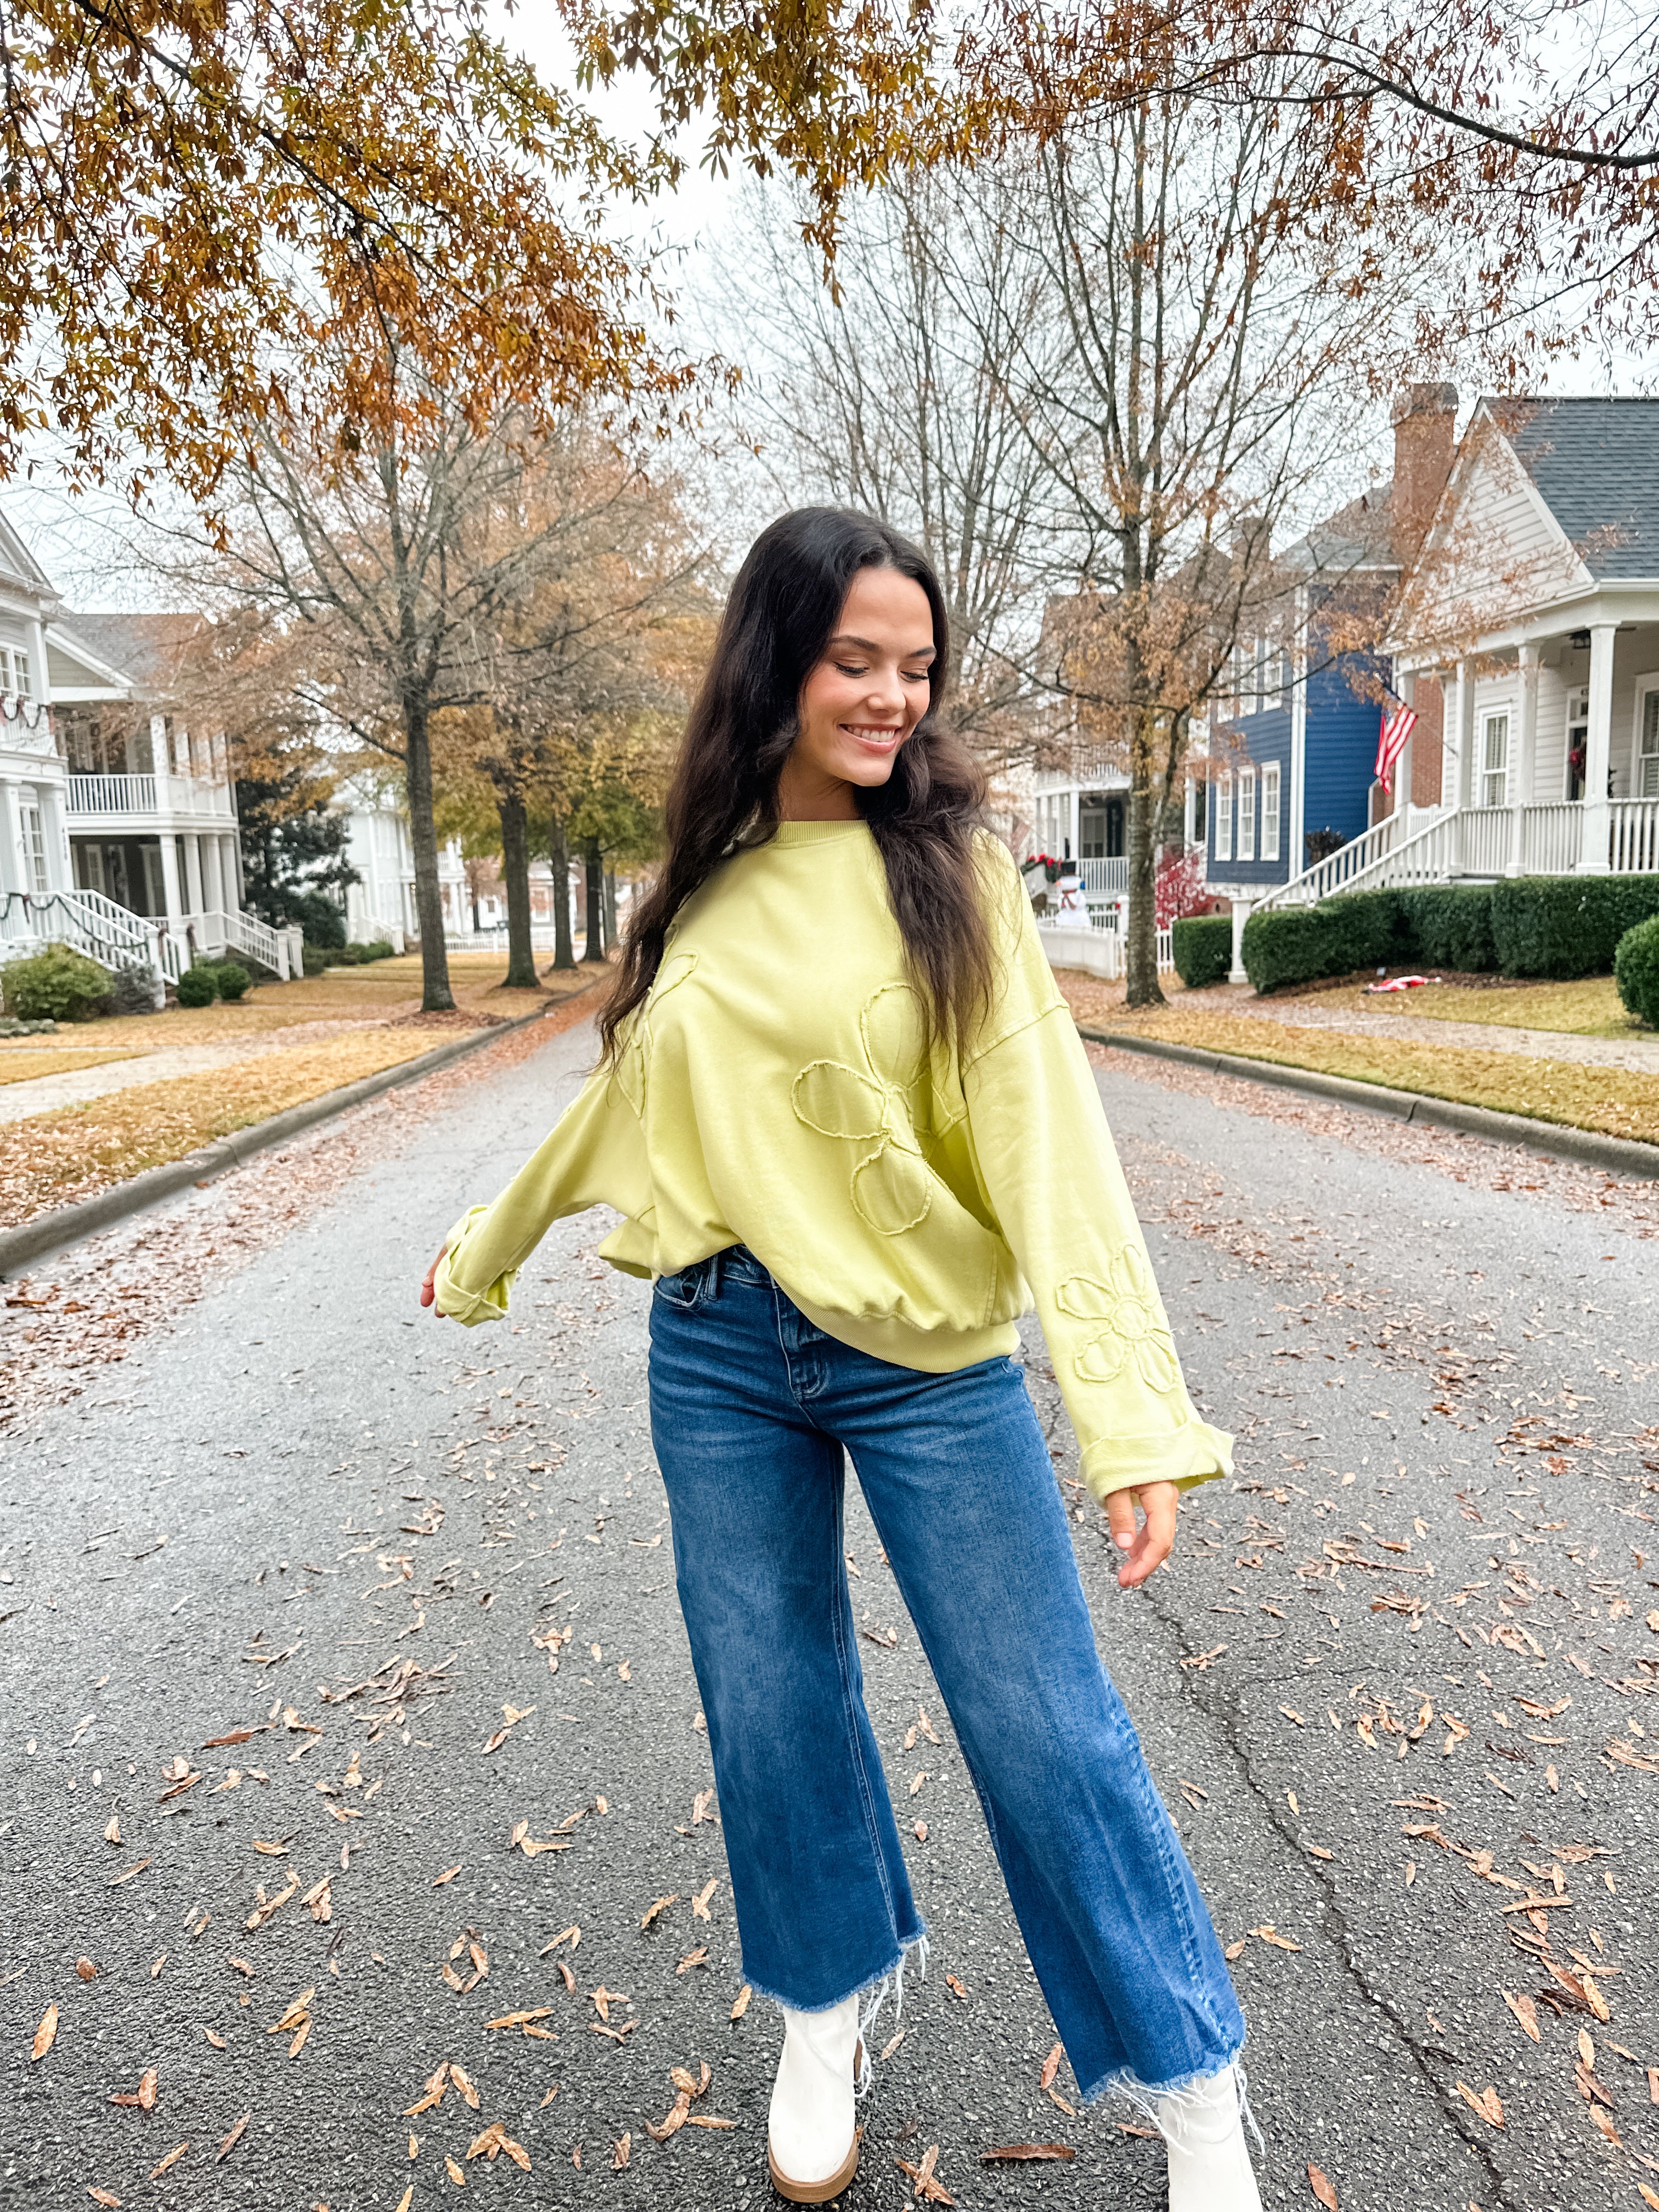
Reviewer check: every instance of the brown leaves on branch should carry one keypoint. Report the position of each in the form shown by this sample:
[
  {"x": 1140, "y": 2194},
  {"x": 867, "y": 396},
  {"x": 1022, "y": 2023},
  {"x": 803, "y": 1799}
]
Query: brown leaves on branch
[{"x": 216, "y": 217}]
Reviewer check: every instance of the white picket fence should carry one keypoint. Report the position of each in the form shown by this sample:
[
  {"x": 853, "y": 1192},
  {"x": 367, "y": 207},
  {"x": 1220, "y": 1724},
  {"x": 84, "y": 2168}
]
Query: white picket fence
[{"x": 1096, "y": 940}]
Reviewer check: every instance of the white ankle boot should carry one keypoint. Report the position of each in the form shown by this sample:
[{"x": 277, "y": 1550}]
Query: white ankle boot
[
  {"x": 1203, "y": 2127},
  {"x": 813, "y": 2141}
]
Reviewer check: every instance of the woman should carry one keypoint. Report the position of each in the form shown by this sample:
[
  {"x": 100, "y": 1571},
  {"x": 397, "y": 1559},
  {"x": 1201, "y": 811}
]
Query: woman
[{"x": 847, "y": 1119}]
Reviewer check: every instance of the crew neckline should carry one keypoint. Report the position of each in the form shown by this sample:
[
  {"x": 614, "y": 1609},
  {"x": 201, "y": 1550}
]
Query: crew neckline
[{"x": 817, "y": 833}]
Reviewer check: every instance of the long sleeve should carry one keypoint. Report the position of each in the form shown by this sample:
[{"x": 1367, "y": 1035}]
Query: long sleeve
[
  {"x": 594, "y": 1152},
  {"x": 1049, "y": 1168}
]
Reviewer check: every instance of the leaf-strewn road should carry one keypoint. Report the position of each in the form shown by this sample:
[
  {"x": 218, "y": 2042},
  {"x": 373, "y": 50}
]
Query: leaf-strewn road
[{"x": 1397, "y": 1688}]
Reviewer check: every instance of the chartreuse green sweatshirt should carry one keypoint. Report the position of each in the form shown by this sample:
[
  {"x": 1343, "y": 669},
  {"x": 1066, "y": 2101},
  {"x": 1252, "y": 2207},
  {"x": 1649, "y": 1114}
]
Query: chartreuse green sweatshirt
[{"x": 778, "y": 1089}]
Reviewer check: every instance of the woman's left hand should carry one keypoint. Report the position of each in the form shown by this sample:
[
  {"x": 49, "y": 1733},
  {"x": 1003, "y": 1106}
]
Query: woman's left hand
[{"x": 1149, "y": 1546}]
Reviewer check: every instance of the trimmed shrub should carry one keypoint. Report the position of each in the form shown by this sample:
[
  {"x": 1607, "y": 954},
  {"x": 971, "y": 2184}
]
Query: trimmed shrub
[
  {"x": 198, "y": 986},
  {"x": 1296, "y": 945},
  {"x": 1636, "y": 969},
  {"x": 233, "y": 979},
  {"x": 1447, "y": 926},
  {"x": 1203, "y": 949},
  {"x": 313, "y": 959},
  {"x": 1565, "y": 926},
  {"x": 56, "y": 985},
  {"x": 380, "y": 948}
]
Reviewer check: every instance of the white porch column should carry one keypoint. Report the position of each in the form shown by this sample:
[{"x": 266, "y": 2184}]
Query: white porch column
[
  {"x": 1523, "y": 758},
  {"x": 1598, "y": 752},
  {"x": 1457, "y": 723},
  {"x": 229, "y": 862},
  {"x": 170, "y": 892},
  {"x": 1240, "y": 915},
  {"x": 1072, "y": 810},
  {"x": 193, "y": 873},
  {"x": 13, "y": 877},
  {"x": 213, "y": 887},
  {"x": 1189, "y": 811}
]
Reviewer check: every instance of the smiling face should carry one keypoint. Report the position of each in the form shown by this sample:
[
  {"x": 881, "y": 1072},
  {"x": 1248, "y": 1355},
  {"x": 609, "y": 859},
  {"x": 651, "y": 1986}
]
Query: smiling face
[{"x": 863, "y": 699}]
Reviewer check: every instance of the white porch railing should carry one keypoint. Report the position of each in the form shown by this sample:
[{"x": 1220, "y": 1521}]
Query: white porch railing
[
  {"x": 117, "y": 938},
  {"x": 1551, "y": 838},
  {"x": 149, "y": 794},
  {"x": 1633, "y": 837},
  {"x": 1104, "y": 878},
  {"x": 1477, "y": 842}
]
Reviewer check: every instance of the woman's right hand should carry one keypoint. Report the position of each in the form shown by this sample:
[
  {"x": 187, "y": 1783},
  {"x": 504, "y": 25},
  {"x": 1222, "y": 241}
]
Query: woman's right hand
[{"x": 429, "y": 1287}]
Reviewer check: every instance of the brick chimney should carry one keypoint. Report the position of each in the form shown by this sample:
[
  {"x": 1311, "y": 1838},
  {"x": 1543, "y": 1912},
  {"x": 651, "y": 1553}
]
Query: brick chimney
[{"x": 1425, "y": 443}]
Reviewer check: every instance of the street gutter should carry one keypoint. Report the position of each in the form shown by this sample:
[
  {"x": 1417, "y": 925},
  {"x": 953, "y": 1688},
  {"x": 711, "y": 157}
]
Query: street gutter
[
  {"x": 70, "y": 1224},
  {"x": 1625, "y": 1156}
]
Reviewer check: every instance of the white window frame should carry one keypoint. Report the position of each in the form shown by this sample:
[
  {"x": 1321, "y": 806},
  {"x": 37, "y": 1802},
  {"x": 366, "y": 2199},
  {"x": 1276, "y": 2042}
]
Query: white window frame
[
  {"x": 33, "y": 828},
  {"x": 1223, "y": 818},
  {"x": 1245, "y": 831},
  {"x": 1488, "y": 775},
  {"x": 1270, "y": 811},
  {"x": 1644, "y": 758}
]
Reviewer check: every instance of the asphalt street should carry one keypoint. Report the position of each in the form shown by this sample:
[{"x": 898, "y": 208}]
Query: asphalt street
[{"x": 351, "y": 1759}]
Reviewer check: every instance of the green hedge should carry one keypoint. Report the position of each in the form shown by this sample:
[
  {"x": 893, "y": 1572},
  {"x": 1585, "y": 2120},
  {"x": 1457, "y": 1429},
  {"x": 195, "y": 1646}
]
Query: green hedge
[
  {"x": 1565, "y": 926},
  {"x": 1553, "y": 925},
  {"x": 1636, "y": 967},
  {"x": 1203, "y": 945}
]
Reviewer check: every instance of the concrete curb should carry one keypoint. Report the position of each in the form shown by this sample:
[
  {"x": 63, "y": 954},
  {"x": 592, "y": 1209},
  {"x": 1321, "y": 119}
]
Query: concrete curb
[
  {"x": 1625, "y": 1156},
  {"x": 69, "y": 1225}
]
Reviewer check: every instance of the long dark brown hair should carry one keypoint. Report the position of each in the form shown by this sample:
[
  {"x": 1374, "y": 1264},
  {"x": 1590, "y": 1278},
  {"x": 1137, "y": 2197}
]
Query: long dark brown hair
[{"x": 783, "y": 610}]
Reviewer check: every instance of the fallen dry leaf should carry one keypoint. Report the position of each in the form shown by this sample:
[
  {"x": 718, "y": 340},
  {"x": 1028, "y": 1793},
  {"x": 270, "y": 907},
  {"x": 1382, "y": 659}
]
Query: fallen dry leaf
[
  {"x": 930, "y": 2190},
  {"x": 660, "y": 1907},
  {"x": 1008, "y": 2154},
  {"x": 1268, "y": 1934},
  {"x": 697, "y": 1957},
  {"x": 217, "y": 2041},
  {"x": 115, "y": 1880},
  {"x": 621, "y": 2151},
  {"x": 147, "y": 2085},
  {"x": 463, "y": 2084},
  {"x": 448, "y": 1875},
  {"x": 1320, "y": 2184},
  {"x": 1487, "y": 2104},
  {"x": 699, "y": 1902},
  {"x": 432, "y": 2094},
  {"x": 742, "y": 2004},
  {"x": 112, "y": 1829},
  {"x": 1525, "y": 2011},
  {"x": 171, "y": 2159},
  {"x": 407, "y": 2198},
  {"x": 233, "y": 2139},
  {"x": 1051, "y": 2066},
  {"x": 956, "y": 1988},
  {"x": 102, "y": 2195},
  {"x": 454, "y": 2172},
  {"x": 46, "y": 2034},
  {"x": 85, "y": 1969}
]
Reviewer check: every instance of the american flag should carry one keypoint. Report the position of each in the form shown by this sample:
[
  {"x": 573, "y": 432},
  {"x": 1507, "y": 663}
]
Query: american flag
[{"x": 1396, "y": 728}]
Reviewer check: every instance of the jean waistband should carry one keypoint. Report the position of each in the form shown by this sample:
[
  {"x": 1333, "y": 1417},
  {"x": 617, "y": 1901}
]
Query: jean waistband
[{"x": 736, "y": 1263}]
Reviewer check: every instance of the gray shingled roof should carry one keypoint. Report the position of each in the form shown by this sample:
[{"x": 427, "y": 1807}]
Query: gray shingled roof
[{"x": 1596, "y": 464}]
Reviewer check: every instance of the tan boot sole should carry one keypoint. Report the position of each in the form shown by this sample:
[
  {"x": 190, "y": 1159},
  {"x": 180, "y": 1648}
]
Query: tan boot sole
[{"x": 815, "y": 2192}]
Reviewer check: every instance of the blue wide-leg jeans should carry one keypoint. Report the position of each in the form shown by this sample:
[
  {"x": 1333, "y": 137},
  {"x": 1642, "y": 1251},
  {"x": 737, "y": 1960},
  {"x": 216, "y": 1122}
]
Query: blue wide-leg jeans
[{"x": 751, "y": 1409}]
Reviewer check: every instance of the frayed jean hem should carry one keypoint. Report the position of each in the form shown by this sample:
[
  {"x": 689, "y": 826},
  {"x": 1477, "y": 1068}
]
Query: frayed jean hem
[
  {"x": 890, "y": 1976},
  {"x": 1122, "y": 2082}
]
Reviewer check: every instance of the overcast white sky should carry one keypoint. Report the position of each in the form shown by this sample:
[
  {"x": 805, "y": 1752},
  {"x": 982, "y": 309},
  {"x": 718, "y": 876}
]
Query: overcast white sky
[{"x": 83, "y": 544}]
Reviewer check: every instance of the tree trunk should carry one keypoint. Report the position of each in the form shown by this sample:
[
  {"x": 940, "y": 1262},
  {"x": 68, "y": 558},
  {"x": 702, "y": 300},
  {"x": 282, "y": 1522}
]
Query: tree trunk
[
  {"x": 1145, "y": 805},
  {"x": 516, "y": 874},
  {"x": 436, "y": 998},
  {"x": 595, "y": 870},
  {"x": 558, "y": 855},
  {"x": 610, "y": 909},
  {"x": 472, "y": 888}
]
